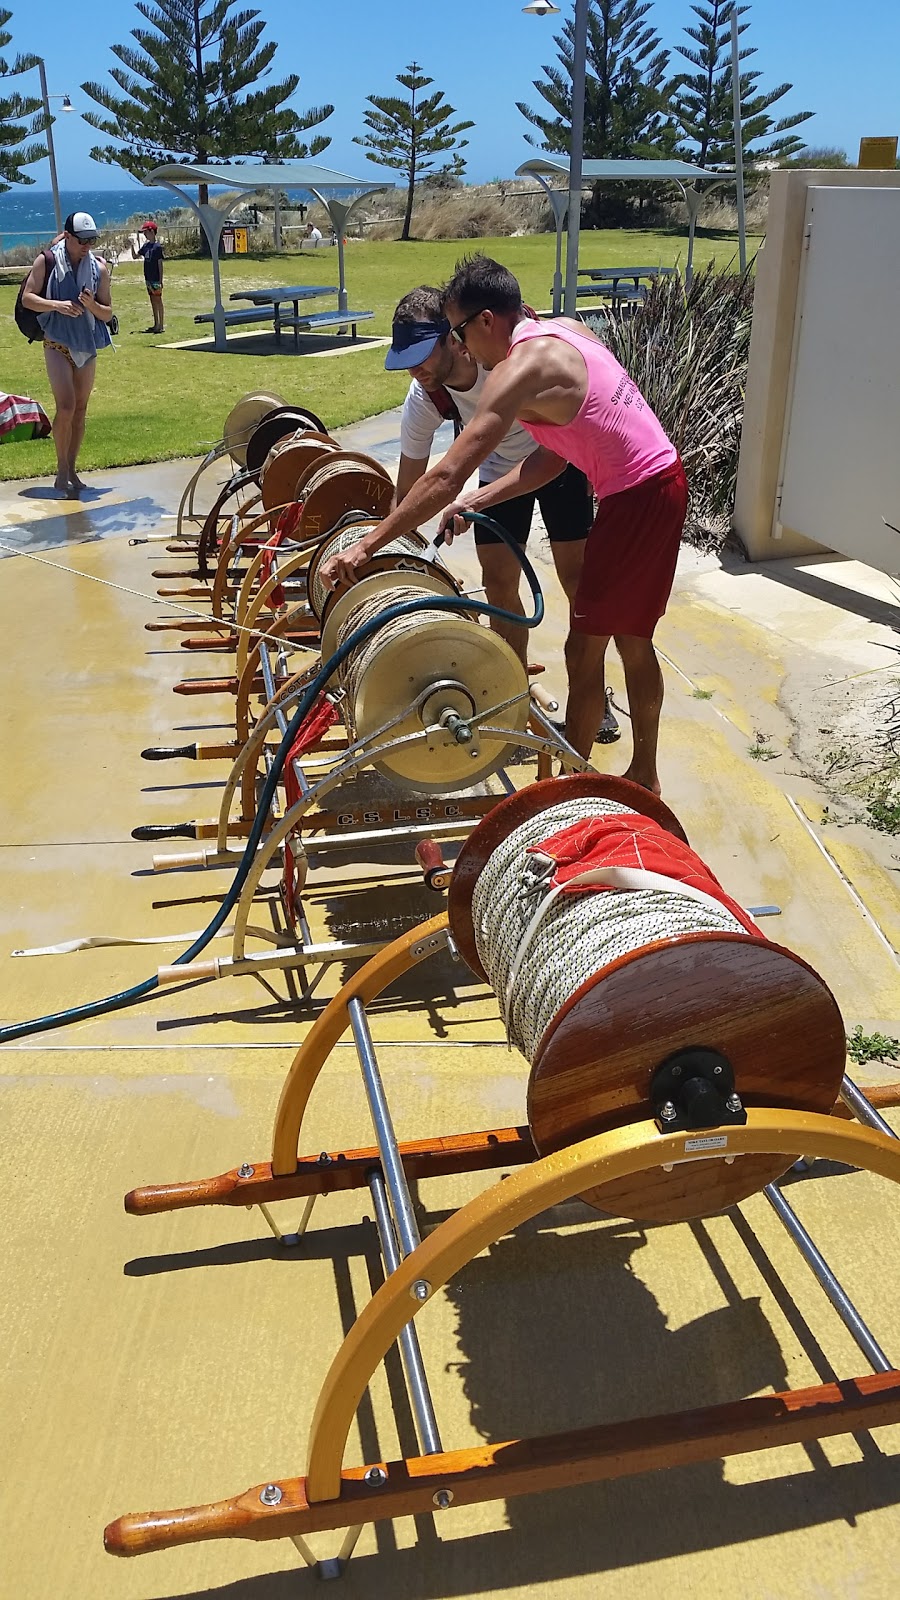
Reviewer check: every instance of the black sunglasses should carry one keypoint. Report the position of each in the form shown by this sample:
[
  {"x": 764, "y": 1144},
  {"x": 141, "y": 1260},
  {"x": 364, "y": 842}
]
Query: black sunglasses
[{"x": 458, "y": 334}]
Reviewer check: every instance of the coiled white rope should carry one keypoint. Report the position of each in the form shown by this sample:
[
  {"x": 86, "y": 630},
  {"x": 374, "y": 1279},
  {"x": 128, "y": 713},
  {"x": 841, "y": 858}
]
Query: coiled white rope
[
  {"x": 343, "y": 540},
  {"x": 538, "y": 948},
  {"x": 361, "y": 661}
]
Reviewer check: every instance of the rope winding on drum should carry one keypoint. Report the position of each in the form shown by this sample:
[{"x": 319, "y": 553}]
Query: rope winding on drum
[
  {"x": 349, "y": 481},
  {"x": 636, "y": 987},
  {"x": 425, "y": 678}
]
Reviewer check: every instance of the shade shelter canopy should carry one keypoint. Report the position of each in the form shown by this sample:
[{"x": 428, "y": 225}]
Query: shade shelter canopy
[
  {"x": 337, "y": 191},
  {"x": 683, "y": 173}
]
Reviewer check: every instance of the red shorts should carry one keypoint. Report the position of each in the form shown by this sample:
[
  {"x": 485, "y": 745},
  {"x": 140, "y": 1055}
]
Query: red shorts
[{"x": 630, "y": 557}]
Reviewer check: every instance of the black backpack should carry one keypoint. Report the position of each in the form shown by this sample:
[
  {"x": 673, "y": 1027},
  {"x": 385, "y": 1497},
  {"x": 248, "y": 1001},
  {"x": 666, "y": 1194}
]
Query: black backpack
[{"x": 26, "y": 320}]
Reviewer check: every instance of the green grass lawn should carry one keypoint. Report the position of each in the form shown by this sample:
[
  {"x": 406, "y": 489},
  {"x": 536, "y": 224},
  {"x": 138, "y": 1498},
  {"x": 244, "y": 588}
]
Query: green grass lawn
[{"x": 151, "y": 404}]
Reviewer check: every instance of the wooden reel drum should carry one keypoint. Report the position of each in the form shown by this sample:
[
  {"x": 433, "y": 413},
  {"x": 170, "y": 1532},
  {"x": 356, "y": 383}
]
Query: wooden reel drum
[
  {"x": 278, "y": 424},
  {"x": 433, "y": 669},
  {"x": 289, "y": 463},
  {"x": 347, "y": 481},
  {"x": 244, "y": 418},
  {"x": 658, "y": 1029}
]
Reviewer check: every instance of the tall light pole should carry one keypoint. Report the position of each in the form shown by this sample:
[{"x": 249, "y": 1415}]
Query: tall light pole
[
  {"x": 545, "y": 8},
  {"x": 48, "y": 126},
  {"x": 738, "y": 140}
]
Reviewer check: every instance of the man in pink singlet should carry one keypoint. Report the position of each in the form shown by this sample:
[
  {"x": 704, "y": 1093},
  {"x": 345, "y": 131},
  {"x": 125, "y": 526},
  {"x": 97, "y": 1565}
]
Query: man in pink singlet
[{"x": 569, "y": 392}]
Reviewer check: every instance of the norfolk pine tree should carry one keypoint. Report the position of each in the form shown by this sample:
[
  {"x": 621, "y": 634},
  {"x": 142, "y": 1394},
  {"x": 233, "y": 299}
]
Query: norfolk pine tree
[
  {"x": 625, "y": 102},
  {"x": 187, "y": 92},
  {"x": 20, "y": 117},
  {"x": 703, "y": 99},
  {"x": 626, "y": 107},
  {"x": 406, "y": 134}
]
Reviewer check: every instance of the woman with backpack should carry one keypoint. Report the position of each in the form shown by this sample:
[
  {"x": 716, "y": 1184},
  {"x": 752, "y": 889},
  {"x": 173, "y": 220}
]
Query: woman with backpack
[{"x": 68, "y": 290}]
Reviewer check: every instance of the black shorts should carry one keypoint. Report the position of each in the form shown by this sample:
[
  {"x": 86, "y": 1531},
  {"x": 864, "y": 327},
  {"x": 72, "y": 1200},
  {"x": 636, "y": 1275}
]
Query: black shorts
[{"x": 567, "y": 507}]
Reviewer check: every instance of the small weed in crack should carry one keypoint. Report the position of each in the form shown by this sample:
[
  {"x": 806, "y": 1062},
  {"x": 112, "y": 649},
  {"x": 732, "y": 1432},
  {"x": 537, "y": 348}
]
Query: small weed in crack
[
  {"x": 864, "y": 1047},
  {"x": 760, "y": 750}
]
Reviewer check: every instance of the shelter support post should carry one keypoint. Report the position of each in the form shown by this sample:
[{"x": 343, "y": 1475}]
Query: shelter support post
[
  {"x": 339, "y": 211},
  {"x": 558, "y": 204},
  {"x": 211, "y": 219}
]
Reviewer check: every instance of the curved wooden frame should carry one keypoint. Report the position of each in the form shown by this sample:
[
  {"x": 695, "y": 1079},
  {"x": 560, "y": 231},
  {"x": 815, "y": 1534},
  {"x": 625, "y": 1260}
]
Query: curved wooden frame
[
  {"x": 331, "y": 1497},
  {"x": 210, "y": 537},
  {"x": 186, "y": 511},
  {"x": 228, "y": 548},
  {"x": 371, "y": 980},
  {"x": 250, "y": 740},
  {"x": 291, "y": 563},
  {"x": 607, "y": 1158}
]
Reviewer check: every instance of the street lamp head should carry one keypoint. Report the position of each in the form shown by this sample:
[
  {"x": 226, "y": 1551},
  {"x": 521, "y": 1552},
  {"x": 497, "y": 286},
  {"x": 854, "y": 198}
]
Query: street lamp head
[
  {"x": 541, "y": 8},
  {"x": 67, "y": 104}
]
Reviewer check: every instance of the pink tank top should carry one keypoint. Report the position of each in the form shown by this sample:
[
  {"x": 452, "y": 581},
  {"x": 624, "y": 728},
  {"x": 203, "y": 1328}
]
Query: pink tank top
[{"x": 615, "y": 438}]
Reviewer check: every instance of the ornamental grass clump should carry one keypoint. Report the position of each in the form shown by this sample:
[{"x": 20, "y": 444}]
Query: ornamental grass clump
[{"x": 687, "y": 351}]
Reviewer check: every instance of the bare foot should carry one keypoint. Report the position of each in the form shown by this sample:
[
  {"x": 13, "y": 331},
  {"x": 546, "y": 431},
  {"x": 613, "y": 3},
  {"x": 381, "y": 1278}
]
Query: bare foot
[
  {"x": 61, "y": 482},
  {"x": 75, "y": 482},
  {"x": 645, "y": 779}
]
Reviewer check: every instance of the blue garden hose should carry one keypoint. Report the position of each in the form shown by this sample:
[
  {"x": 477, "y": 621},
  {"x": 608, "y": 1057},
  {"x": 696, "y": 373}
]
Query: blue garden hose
[{"x": 129, "y": 997}]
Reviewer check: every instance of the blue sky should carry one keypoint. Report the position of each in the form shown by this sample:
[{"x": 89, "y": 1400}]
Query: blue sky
[{"x": 484, "y": 54}]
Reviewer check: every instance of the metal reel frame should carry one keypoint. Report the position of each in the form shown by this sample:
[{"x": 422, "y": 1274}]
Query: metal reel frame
[{"x": 336, "y": 768}]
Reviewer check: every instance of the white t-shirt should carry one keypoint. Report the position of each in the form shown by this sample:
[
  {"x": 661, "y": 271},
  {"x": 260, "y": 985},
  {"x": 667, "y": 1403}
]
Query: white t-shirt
[
  {"x": 315, "y": 236},
  {"x": 421, "y": 419}
]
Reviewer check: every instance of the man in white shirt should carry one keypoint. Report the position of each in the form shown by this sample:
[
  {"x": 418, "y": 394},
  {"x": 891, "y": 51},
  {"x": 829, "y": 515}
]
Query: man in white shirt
[
  {"x": 313, "y": 235},
  {"x": 446, "y": 385}
]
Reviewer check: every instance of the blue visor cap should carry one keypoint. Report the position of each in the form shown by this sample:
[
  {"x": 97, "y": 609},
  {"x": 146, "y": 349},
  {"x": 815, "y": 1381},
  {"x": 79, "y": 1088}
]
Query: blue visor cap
[{"x": 413, "y": 342}]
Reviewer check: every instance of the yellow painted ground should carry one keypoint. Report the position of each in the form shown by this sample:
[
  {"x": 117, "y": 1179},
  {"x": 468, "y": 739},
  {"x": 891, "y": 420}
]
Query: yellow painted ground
[{"x": 169, "y": 1360}]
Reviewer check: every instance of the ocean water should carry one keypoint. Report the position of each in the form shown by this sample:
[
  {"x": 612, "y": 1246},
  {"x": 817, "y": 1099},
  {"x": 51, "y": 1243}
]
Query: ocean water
[{"x": 26, "y": 215}]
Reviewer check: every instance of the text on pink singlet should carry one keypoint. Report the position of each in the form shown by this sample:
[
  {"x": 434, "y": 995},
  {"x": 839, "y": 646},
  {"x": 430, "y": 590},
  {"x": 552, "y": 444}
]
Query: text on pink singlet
[{"x": 615, "y": 439}]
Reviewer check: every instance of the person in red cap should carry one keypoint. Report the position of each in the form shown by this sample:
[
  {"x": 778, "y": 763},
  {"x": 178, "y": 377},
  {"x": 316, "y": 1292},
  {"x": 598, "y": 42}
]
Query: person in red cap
[{"x": 152, "y": 252}]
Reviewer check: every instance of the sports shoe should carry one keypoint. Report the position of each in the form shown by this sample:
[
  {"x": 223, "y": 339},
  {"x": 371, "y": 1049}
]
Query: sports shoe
[{"x": 608, "y": 731}]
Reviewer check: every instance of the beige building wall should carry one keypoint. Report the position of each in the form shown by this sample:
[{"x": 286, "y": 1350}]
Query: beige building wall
[{"x": 771, "y": 347}]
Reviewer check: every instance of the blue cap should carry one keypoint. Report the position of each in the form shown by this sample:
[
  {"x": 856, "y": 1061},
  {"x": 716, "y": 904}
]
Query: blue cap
[{"x": 413, "y": 342}]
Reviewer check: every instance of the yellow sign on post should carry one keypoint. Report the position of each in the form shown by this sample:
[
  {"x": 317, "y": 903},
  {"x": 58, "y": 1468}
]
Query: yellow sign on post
[
  {"x": 877, "y": 155},
  {"x": 240, "y": 241}
]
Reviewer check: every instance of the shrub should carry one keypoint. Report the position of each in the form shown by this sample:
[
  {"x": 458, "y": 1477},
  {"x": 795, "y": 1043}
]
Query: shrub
[{"x": 687, "y": 351}]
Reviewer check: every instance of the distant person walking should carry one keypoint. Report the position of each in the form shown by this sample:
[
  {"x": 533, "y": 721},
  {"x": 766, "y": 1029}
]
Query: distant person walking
[
  {"x": 151, "y": 251},
  {"x": 73, "y": 306}
]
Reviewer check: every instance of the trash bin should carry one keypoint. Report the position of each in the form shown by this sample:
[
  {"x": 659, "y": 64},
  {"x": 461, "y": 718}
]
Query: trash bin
[{"x": 226, "y": 240}]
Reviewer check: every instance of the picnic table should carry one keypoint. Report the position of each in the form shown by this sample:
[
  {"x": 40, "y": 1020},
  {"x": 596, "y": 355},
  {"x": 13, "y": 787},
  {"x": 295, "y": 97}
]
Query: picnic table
[
  {"x": 267, "y": 307},
  {"x": 605, "y": 282}
]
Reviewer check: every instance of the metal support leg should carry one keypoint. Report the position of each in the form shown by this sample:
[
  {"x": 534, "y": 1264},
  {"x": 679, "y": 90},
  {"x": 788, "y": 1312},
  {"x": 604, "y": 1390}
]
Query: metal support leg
[
  {"x": 391, "y": 1182},
  {"x": 855, "y": 1098},
  {"x": 841, "y": 1301},
  {"x": 392, "y": 1166},
  {"x": 289, "y": 1239},
  {"x": 417, "y": 1383},
  {"x": 334, "y": 1566}
]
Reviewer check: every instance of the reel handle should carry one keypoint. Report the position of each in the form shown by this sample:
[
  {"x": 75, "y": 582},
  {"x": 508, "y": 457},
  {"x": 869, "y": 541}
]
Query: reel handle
[
  {"x": 170, "y": 752},
  {"x": 539, "y": 695},
  {"x": 162, "y": 830},
  {"x": 435, "y": 870},
  {"x": 193, "y": 969}
]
